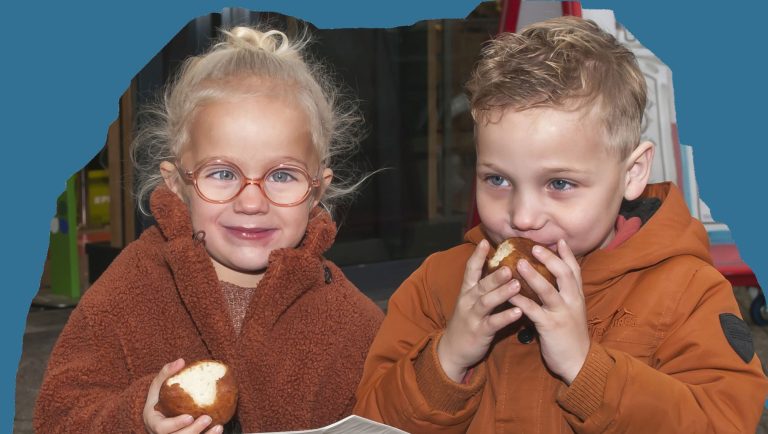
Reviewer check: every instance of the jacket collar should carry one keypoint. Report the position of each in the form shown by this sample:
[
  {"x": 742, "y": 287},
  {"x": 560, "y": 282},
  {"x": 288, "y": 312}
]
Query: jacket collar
[
  {"x": 290, "y": 273},
  {"x": 670, "y": 232}
]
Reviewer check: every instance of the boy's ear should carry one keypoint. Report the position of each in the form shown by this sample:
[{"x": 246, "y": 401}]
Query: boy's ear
[
  {"x": 638, "y": 170},
  {"x": 171, "y": 178},
  {"x": 325, "y": 181}
]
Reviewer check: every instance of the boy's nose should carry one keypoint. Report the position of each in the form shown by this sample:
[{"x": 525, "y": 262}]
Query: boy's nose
[
  {"x": 251, "y": 200},
  {"x": 526, "y": 214}
]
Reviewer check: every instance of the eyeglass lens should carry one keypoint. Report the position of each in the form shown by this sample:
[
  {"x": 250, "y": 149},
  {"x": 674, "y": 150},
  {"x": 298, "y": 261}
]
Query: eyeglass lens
[{"x": 219, "y": 181}]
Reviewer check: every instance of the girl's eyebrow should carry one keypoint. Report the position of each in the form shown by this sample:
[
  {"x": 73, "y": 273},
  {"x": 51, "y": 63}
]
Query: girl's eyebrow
[
  {"x": 270, "y": 163},
  {"x": 283, "y": 160}
]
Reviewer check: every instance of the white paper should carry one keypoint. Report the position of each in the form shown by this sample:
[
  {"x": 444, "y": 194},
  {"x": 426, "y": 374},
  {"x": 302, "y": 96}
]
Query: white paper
[{"x": 350, "y": 425}]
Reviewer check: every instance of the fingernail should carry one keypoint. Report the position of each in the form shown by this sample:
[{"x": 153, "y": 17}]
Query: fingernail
[
  {"x": 218, "y": 429},
  {"x": 187, "y": 419},
  {"x": 522, "y": 264},
  {"x": 537, "y": 250},
  {"x": 515, "y": 284},
  {"x": 206, "y": 419}
]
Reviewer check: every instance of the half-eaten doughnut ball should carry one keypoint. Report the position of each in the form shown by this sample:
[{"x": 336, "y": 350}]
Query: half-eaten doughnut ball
[
  {"x": 512, "y": 250},
  {"x": 203, "y": 387}
]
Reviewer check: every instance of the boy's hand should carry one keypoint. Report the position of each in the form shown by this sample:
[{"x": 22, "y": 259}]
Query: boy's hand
[
  {"x": 561, "y": 320},
  {"x": 472, "y": 327}
]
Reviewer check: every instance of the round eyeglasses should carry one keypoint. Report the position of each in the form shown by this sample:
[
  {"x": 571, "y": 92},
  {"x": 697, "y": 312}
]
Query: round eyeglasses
[{"x": 220, "y": 181}]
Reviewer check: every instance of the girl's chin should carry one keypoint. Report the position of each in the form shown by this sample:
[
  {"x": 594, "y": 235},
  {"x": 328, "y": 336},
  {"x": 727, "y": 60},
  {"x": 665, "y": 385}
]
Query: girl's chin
[
  {"x": 250, "y": 268},
  {"x": 228, "y": 270}
]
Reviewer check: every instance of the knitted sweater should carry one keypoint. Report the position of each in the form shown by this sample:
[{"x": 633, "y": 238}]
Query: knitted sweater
[{"x": 297, "y": 359}]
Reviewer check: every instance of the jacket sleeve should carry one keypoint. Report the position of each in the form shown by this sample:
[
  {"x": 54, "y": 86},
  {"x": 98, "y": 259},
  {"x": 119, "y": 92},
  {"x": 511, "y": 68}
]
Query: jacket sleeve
[
  {"x": 697, "y": 382},
  {"x": 403, "y": 384},
  {"x": 355, "y": 330},
  {"x": 86, "y": 388}
]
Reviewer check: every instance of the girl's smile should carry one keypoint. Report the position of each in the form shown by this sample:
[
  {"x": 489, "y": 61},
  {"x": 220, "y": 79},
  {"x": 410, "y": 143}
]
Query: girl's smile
[{"x": 256, "y": 133}]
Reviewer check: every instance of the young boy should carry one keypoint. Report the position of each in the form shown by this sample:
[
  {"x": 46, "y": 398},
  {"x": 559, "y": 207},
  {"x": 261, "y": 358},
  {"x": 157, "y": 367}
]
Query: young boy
[{"x": 642, "y": 334}]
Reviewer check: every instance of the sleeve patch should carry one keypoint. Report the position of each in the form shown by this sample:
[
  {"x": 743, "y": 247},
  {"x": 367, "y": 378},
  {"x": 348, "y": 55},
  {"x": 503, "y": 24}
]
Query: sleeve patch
[{"x": 738, "y": 335}]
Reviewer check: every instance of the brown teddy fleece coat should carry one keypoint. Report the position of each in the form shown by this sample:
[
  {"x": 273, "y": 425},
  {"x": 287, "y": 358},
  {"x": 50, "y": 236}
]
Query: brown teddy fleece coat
[{"x": 297, "y": 359}]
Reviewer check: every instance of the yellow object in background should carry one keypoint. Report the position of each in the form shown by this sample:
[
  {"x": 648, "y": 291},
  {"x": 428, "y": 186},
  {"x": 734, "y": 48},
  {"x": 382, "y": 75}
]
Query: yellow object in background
[{"x": 98, "y": 198}]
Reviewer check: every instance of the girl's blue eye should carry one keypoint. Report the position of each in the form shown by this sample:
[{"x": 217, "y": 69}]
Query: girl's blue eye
[
  {"x": 496, "y": 180},
  {"x": 223, "y": 175},
  {"x": 281, "y": 176},
  {"x": 561, "y": 185}
]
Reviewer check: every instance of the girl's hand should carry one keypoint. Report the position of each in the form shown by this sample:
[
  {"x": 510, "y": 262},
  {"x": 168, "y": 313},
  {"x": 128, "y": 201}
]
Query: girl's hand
[
  {"x": 472, "y": 327},
  {"x": 156, "y": 423},
  {"x": 561, "y": 320}
]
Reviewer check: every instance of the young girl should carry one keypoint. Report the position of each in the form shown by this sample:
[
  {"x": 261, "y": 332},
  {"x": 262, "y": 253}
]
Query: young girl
[{"x": 233, "y": 270}]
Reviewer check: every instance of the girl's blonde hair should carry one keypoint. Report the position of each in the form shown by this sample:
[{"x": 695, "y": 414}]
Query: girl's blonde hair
[{"x": 247, "y": 61}]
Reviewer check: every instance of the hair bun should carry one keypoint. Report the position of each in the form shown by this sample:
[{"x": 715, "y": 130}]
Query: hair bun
[{"x": 272, "y": 41}]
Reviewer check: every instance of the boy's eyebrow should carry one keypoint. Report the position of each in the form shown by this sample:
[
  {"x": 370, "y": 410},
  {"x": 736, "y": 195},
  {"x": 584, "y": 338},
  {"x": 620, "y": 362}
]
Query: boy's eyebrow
[
  {"x": 489, "y": 166},
  {"x": 543, "y": 169},
  {"x": 557, "y": 169}
]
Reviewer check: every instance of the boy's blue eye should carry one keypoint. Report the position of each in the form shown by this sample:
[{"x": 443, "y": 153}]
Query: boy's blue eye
[
  {"x": 560, "y": 184},
  {"x": 496, "y": 180}
]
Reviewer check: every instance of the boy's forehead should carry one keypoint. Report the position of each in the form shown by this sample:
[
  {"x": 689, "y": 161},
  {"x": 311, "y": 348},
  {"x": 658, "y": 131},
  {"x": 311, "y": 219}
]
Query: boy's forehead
[
  {"x": 545, "y": 127},
  {"x": 552, "y": 117}
]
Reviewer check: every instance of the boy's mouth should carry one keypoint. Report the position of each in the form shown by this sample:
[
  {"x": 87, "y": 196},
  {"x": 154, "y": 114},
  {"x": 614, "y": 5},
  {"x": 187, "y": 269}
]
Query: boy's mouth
[{"x": 552, "y": 247}]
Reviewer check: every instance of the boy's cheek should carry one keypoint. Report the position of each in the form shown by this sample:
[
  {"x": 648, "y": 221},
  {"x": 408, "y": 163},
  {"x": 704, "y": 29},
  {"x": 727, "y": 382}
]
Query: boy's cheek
[{"x": 494, "y": 223}]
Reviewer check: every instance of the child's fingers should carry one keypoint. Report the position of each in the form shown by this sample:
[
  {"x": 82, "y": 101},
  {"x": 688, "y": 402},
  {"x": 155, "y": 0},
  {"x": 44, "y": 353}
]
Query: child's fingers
[
  {"x": 569, "y": 258},
  {"x": 494, "y": 280},
  {"x": 167, "y": 370},
  {"x": 567, "y": 281},
  {"x": 488, "y": 302},
  {"x": 218, "y": 429},
  {"x": 529, "y": 308},
  {"x": 541, "y": 286},
  {"x": 556, "y": 265},
  {"x": 172, "y": 424},
  {"x": 198, "y": 426},
  {"x": 474, "y": 268},
  {"x": 502, "y": 319}
]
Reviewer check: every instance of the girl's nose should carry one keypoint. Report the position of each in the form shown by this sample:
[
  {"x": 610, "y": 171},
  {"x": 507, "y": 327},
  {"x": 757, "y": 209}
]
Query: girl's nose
[{"x": 251, "y": 200}]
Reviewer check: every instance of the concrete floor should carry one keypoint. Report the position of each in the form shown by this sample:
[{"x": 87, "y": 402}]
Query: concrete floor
[{"x": 44, "y": 326}]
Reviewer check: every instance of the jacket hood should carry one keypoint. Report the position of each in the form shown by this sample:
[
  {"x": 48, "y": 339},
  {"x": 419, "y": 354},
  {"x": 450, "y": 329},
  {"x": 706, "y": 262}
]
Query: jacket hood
[
  {"x": 670, "y": 232},
  {"x": 198, "y": 285}
]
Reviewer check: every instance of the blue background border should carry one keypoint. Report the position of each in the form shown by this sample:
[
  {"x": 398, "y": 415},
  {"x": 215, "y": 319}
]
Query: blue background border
[{"x": 65, "y": 65}]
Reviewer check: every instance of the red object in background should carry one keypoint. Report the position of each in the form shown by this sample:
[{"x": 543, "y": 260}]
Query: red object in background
[
  {"x": 728, "y": 262},
  {"x": 510, "y": 13},
  {"x": 571, "y": 9}
]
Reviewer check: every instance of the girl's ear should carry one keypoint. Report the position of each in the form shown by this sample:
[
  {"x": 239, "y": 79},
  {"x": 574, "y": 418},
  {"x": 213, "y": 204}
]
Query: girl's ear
[
  {"x": 325, "y": 181},
  {"x": 638, "y": 170},
  {"x": 171, "y": 178}
]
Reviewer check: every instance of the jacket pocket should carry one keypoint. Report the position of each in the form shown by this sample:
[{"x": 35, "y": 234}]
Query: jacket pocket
[{"x": 625, "y": 333}]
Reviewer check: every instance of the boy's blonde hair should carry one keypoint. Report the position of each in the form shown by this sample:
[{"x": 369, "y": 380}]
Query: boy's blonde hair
[
  {"x": 245, "y": 62},
  {"x": 566, "y": 63}
]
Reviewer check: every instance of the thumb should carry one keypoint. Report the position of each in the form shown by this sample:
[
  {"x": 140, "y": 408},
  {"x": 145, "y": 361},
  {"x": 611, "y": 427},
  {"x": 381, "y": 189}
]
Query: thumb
[{"x": 168, "y": 370}]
